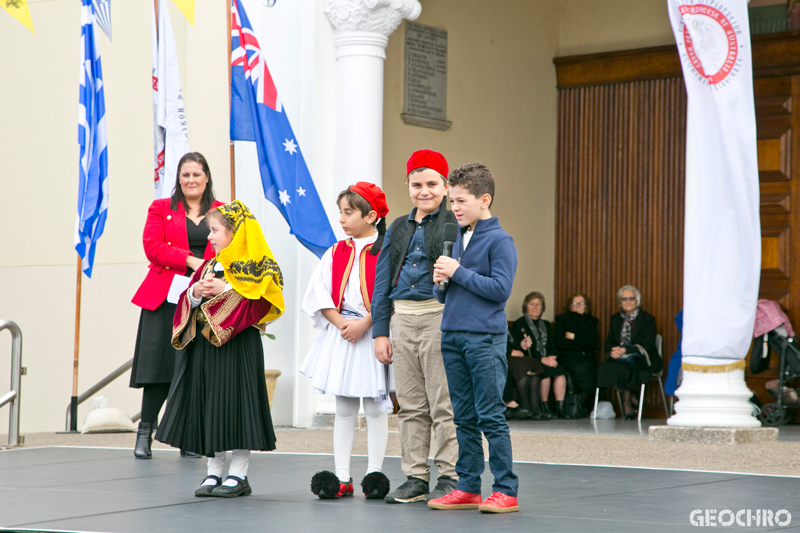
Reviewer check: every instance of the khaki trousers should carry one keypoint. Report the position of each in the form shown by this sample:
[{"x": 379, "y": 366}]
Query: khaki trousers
[{"x": 423, "y": 395}]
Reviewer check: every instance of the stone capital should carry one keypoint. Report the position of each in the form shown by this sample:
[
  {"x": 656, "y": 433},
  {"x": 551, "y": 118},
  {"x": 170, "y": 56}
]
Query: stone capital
[{"x": 371, "y": 16}]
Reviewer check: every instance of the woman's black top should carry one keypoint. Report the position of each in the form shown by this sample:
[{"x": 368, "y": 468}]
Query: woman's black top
[
  {"x": 584, "y": 326},
  {"x": 198, "y": 240},
  {"x": 520, "y": 328},
  {"x": 643, "y": 333},
  {"x": 198, "y": 237}
]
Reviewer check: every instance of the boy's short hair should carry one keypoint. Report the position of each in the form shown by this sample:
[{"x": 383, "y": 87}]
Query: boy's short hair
[{"x": 474, "y": 177}]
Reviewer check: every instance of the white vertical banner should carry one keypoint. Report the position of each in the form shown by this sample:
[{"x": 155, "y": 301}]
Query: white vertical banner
[
  {"x": 722, "y": 246},
  {"x": 170, "y": 134}
]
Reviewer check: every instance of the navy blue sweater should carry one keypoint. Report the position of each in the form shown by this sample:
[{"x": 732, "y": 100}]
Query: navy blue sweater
[{"x": 476, "y": 299}]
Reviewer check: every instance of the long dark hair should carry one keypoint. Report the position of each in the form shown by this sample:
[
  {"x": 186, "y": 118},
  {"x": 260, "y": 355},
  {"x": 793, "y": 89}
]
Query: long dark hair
[{"x": 208, "y": 195}]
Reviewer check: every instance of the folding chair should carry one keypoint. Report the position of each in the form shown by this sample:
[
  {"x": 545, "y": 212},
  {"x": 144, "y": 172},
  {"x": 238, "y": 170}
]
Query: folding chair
[{"x": 657, "y": 376}]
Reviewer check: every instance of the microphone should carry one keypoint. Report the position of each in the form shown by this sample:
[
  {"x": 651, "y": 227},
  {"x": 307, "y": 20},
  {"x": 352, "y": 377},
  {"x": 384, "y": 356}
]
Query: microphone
[{"x": 450, "y": 236}]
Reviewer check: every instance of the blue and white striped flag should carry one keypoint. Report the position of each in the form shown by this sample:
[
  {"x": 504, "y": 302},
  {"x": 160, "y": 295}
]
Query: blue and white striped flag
[
  {"x": 93, "y": 185},
  {"x": 102, "y": 15}
]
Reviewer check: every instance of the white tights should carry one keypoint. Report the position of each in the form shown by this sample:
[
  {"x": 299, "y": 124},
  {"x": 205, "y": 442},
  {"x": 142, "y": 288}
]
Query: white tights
[
  {"x": 344, "y": 432},
  {"x": 240, "y": 461}
]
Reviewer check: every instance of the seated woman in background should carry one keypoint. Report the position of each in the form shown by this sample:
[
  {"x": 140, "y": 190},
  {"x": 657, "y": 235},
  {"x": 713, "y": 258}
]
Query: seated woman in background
[
  {"x": 576, "y": 341},
  {"x": 514, "y": 411},
  {"x": 523, "y": 382},
  {"x": 533, "y": 332},
  {"x": 631, "y": 349}
]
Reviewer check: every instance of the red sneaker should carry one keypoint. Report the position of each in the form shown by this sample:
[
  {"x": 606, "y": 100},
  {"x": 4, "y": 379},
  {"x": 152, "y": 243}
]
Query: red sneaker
[
  {"x": 499, "y": 503},
  {"x": 345, "y": 489},
  {"x": 458, "y": 499}
]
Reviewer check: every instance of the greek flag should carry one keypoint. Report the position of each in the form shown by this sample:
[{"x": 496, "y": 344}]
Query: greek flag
[{"x": 93, "y": 184}]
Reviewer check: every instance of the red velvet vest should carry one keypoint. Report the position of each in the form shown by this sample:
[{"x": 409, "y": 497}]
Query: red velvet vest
[{"x": 344, "y": 253}]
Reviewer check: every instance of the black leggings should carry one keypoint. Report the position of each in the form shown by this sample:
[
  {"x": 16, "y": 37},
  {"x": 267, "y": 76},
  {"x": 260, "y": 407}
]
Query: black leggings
[
  {"x": 153, "y": 397},
  {"x": 528, "y": 389},
  {"x": 582, "y": 368}
]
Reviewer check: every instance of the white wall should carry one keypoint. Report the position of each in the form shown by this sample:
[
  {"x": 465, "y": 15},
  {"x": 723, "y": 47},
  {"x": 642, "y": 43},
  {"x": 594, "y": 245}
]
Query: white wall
[
  {"x": 39, "y": 178},
  {"x": 594, "y": 26}
]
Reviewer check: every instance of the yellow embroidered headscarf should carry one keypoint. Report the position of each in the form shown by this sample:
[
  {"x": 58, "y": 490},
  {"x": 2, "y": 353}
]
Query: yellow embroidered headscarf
[{"x": 250, "y": 267}]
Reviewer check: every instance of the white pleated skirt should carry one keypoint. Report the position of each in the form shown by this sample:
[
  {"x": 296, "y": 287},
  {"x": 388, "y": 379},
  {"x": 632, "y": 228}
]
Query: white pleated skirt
[{"x": 341, "y": 368}]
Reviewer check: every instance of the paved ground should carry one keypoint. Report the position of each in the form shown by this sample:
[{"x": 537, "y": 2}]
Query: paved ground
[
  {"x": 107, "y": 490},
  {"x": 609, "y": 442}
]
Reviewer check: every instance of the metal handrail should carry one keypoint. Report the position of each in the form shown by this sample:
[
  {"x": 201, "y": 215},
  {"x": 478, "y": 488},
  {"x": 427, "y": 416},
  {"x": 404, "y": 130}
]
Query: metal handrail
[
  {"x": 97, "y": 387},
  {"x": 13, "y": 397}
]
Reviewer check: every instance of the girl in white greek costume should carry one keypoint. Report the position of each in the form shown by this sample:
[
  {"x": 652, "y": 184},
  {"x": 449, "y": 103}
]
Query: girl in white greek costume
[{"x": 342, "y": 360}]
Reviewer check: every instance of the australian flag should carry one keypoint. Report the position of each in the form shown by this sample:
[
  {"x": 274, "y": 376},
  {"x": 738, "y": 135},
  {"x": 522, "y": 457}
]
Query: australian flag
[
  {"x": 93, "y": 184},
  {"x": 257, "y": 115}
]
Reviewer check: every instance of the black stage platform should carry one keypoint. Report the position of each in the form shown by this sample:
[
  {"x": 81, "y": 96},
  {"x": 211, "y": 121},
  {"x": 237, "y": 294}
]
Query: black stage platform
[{"x": 101, "y": 489}]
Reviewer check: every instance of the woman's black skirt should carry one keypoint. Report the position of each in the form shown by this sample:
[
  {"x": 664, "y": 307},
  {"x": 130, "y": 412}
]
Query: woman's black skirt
[
  {"x": 582, "y": 368},
  {"x": 218, "y": 399},
  {"x": 154, "y": 356},
  {"x": 518, "y": 367},
  {"x": 623, "y": 375},
  {"x": 551, "y": 372}
]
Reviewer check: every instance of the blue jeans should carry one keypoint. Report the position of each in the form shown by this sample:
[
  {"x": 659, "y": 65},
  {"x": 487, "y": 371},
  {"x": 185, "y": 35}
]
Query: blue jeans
[{"x": 476, "y": 369}]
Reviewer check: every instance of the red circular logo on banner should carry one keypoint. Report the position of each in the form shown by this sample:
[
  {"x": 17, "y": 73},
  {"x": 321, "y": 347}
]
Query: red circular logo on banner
[{"x": 714, "y": 49}]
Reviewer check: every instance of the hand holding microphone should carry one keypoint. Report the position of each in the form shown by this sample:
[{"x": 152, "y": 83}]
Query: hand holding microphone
[{"x": 446, "y": 266}]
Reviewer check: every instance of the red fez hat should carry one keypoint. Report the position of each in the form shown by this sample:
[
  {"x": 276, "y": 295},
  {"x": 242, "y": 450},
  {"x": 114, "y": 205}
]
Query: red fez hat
[
  {"x": 374, "y": 195},
  {"x": 430, "y": 159}
]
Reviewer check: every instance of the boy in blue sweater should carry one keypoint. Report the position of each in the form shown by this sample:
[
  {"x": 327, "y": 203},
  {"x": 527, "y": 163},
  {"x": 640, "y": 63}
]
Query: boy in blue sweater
[{"x": 479, "y": 279}]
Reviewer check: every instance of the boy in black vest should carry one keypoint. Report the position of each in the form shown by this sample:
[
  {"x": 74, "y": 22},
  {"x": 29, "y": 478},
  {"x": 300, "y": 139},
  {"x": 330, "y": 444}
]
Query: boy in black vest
[{"x": 404, "y": 281}]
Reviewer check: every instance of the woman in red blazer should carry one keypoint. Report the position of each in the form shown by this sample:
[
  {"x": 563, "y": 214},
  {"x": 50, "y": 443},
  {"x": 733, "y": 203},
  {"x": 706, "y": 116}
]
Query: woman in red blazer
[{"x": 175, "y": 243}]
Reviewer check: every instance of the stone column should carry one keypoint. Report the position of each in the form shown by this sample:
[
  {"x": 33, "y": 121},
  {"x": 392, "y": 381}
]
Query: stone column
[
  {"x": 362, "y": 33},
  {"x": 713, "y": 396}
]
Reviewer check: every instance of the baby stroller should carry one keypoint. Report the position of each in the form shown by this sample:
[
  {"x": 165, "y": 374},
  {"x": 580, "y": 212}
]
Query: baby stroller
[{"x": 773, "y": 330}]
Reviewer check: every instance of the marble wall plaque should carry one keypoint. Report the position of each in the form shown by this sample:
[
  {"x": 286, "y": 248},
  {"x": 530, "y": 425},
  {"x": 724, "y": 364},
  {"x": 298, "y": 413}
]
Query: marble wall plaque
[{"x": 425, "y": 102}]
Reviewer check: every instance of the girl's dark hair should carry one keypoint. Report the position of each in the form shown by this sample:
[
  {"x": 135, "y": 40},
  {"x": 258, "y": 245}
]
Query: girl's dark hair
[
  {"x": 208, "y": 195},
  {"x": 533, "y": 296},
  {"x": 568, "y": 306},
  {"x": 356, "y": 201}
]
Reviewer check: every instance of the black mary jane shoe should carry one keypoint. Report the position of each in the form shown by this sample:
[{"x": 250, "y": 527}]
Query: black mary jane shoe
[
  {"x": 204, "y": 491},
  {"x": 629, "y": 416},
  {"x": 242, "y": 488}
]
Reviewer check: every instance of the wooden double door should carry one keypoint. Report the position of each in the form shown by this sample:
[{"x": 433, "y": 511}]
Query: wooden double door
[
  {"x": 620, "y": 182},
  {"x": 777, "y": 121}
]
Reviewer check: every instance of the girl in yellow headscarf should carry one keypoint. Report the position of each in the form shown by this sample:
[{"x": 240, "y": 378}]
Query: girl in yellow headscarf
[{"x": 218, "y": 400}]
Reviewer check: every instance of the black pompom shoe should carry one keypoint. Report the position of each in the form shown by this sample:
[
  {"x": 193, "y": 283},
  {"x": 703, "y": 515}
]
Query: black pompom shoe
[
  {"x": 375, "y": 486},
  {"x": 327, "y": 486}
]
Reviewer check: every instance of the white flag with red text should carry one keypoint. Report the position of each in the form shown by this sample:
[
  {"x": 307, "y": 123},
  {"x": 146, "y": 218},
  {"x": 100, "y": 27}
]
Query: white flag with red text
[
  {"x": 170, "y": 137},
  {"x": 722, "y": 246}
]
